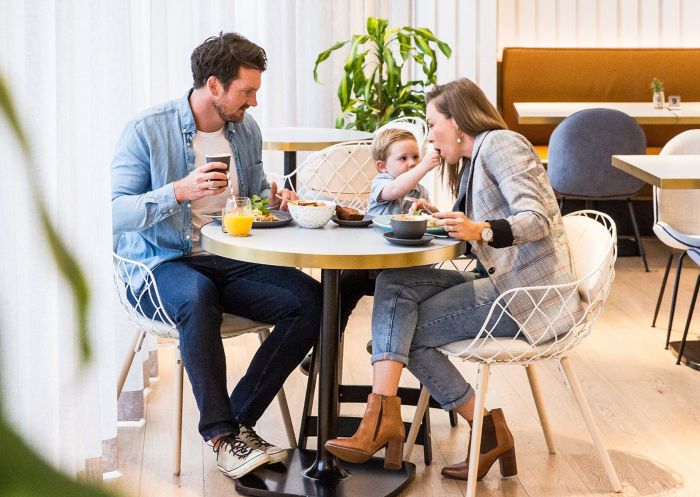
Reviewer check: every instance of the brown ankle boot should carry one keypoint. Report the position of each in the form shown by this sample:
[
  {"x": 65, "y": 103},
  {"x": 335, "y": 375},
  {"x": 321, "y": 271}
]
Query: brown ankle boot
[
  {"x": 496, "y": 444},
  {"x": 381, "y": 426}
]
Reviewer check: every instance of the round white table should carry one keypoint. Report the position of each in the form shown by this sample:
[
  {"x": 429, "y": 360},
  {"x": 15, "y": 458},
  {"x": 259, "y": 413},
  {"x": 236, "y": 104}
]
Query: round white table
[
  {"x": 330, "y": 249},
  {"x": 292, "y": 140}
]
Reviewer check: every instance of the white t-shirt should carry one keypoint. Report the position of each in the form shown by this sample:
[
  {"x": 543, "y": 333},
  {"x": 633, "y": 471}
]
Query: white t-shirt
[{"x": 209, "y": 144}]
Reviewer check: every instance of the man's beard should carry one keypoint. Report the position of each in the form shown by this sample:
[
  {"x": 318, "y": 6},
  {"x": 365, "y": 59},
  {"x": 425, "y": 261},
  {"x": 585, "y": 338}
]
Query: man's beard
[{"x": 233, "y": 118}]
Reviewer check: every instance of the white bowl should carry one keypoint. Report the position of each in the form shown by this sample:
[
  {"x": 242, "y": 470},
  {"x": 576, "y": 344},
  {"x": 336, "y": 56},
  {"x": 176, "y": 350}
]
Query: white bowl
[{"x": 312, "y": 216}]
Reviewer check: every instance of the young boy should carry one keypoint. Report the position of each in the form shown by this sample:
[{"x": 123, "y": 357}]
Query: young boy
[{"x": 397, "y": 156}]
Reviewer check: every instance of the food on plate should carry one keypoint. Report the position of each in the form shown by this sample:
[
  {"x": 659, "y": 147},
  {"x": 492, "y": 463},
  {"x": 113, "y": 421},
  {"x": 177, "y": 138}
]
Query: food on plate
[
  {"x": 308, "y": 203},
  {"x": 263, "y": 218},
  {"x": 418, "y": 216},
  {"x": 260, "y": 211},
  {"x": 348, "y": 214}
]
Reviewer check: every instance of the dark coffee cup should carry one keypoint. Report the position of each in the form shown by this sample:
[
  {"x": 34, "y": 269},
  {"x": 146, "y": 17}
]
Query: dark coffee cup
[
  {"x": 408, "y": 226},
  {"x": 223, "y": 157}
]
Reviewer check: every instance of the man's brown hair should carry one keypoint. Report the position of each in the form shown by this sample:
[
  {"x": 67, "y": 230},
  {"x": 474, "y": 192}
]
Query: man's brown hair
[{"x": 222, "y": 56}]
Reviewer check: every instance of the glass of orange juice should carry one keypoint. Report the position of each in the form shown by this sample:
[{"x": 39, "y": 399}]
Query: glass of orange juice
[{"x": 238, "y": 216}]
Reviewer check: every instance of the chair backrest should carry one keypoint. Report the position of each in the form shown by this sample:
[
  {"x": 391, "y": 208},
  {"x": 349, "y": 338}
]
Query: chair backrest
[
  {"x": 569, "y": 309},
  {"x": 592, "y": 240},
  {"x": 581, "y": 150},
  {"x": 342, "y": 173},
  {"x": 144, "y": 308},
  {"x": 415, "y": 125},
  {"x": 672, "y": 206}
]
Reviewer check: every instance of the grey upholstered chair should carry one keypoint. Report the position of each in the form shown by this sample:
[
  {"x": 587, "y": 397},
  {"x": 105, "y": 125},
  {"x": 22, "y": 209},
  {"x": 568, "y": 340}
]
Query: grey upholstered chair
[{"x": 580, "y": 159}]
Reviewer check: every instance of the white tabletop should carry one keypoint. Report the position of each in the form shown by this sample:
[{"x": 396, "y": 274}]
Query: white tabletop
[
  {"x": 665, "y": 171},
  {"x": 688, "y": 113},
  {"x": 331, "y": 247},
  {"x": 309, "y": 139},
  {"x": 642, "y": 112}
]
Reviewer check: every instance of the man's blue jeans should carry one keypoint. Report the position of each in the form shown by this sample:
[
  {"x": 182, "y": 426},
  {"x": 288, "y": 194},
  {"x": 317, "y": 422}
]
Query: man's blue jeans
[
  {"x": 196, "y": 290},
  {"x": 416, "y": 310}
]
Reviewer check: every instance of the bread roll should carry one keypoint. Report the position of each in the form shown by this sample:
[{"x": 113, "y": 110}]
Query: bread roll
[{"x": 348, "y": 214}]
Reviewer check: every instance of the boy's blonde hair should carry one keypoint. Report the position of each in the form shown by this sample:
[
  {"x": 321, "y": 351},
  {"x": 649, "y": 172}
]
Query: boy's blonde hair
[{"x": 383, "y": 141}]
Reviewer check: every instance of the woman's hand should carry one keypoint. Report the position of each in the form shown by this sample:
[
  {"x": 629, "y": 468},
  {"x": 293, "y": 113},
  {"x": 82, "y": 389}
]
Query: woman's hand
[{"x": 459, "y": 226}]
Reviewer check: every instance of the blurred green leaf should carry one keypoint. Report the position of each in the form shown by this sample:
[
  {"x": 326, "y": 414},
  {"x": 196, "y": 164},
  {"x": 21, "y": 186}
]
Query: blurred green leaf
[
  {"x": 24, "y": 474},
  {"x": 67, "y": 265}
]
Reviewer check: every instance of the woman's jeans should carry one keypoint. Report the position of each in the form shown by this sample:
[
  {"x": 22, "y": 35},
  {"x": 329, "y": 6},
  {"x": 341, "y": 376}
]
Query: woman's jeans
[
  {"x": 417, "y": 310},
  {"x": 196, "y": 290}
]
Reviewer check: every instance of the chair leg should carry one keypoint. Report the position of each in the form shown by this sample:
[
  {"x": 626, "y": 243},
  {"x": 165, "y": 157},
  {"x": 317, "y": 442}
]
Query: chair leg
[
  {"x": 482, "y": 384},
  {"x": 687, "y": 322},
  {"x": 136, "y": 345},
  {"x": 453, "y": 418},
  {"x": 590, "y": 422},
  {"x": 561, "y": 205},
  {"x": 179, "y": 373},
  {"x": 662, "y": 289},
  {"x": 427, "y": 439},
  {"x": 539, "y": 404},
  {"x": 674, "y": 297},
  {"x": 637, "y": 235},
  {"x": 282, "y": 400},
  {"x": 309, "y": 398},
  {"x": 421, "y": 407}
]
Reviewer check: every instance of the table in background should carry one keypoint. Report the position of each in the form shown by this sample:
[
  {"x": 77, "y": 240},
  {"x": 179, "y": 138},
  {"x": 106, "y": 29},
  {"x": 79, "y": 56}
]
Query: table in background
[
  {"x": 331, "y": 249},
  {"x": 293, "y": 140},
  {"x": 678, "y": 172},
  {"x": 642, "y": 112}
]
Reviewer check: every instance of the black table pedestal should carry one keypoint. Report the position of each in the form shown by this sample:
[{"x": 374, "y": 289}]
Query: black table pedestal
[
  {"x": 286, "y": 479},
  {"x": 290, "y": 165},
  {"x": 319, "y": 473},
  {"x": 691, "y": 353}
]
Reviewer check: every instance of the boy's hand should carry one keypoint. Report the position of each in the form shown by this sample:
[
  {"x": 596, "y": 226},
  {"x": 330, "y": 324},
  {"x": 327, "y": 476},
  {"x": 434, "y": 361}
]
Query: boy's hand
[
  {"x": 423, "y": 205},
  {"x": 431, "y": 159}
]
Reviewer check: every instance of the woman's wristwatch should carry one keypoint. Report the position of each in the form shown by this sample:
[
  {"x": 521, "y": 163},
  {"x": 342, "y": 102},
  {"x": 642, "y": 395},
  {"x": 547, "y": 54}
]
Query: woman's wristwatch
[{"x": 486, "y": 233}]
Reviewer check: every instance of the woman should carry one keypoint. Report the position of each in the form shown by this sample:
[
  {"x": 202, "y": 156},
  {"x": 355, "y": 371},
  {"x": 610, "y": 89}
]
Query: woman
[{"x": 507, "y": 211}]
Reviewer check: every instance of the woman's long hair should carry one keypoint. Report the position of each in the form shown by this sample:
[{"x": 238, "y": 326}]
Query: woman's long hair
[{"x": 464, "y": 101}]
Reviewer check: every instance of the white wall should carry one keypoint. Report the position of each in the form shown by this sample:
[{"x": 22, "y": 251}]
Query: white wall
[{"x": 598, "y": 23}]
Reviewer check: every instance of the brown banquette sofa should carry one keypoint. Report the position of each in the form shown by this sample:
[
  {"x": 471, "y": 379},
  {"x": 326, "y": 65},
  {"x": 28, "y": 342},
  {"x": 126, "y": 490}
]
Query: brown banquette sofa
[{"x": 595, "y": 75}]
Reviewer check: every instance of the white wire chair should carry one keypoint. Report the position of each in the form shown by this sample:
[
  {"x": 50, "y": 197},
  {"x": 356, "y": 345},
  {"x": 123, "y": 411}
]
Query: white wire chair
[
  {"x": 415, "y": 125},
  {"x": 342, "y": 173},
  {"x": 672, "y": 224},
  {"x": 592, "y": 239},
  {"x": 148, "y": 315}
]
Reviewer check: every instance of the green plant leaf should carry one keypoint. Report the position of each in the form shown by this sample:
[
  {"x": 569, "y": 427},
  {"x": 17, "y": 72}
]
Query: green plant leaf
[
  {"x": 372, "y": 91},
  {"x": 324, "y": 56},
  {"x": 9, "y": 111},
  {"x": 24, "y": 474},
  {"x": 67, "y": 265}
]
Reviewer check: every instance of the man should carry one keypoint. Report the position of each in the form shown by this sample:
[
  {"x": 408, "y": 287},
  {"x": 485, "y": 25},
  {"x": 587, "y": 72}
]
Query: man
[{"x": 161, "y": 187}]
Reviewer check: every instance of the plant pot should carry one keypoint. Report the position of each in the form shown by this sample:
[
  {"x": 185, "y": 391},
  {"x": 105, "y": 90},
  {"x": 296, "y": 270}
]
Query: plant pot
[{"x": 658, "y": 100}]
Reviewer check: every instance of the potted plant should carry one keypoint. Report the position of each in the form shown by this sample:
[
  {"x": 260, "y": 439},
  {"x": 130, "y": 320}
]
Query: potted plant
[
  {"x": 657, "y": 99},
  {"x": 373, "y": 90}
]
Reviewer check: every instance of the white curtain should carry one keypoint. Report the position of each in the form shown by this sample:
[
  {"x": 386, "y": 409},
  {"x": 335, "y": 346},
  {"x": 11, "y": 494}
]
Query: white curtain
[{"x": 78, "y": 70}]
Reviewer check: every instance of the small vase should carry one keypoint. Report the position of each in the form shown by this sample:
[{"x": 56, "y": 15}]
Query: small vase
[{"x": 658, "y": 100}]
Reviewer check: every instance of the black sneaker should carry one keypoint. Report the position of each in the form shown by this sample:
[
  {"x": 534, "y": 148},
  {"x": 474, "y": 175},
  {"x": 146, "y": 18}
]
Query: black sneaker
[{"x": 236, "y": 458}]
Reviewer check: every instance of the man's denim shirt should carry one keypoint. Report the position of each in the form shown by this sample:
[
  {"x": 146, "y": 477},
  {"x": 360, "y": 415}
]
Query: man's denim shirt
[{"x": 154, "y": 150}]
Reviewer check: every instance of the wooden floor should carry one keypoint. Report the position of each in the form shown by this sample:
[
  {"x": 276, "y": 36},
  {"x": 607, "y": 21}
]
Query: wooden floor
[{"x": 647, "y": 408}]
